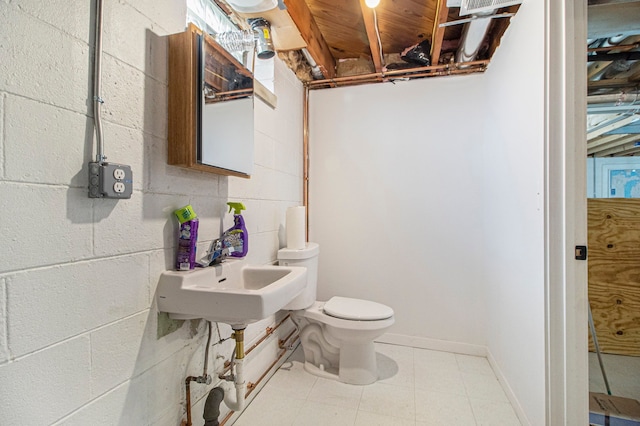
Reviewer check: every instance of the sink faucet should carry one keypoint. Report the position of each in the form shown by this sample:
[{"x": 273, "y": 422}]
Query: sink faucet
[{"x": 216, "y": 254}]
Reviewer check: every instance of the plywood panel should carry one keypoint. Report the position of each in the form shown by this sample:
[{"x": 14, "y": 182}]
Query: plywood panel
[{"x": 614, "y": 273}]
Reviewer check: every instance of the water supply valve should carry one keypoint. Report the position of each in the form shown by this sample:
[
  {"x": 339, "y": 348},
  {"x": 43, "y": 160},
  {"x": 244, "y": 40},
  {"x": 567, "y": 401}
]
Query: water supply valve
[
  {"x": 204, "y": 379},
  {"x": 228, "y": 378}
]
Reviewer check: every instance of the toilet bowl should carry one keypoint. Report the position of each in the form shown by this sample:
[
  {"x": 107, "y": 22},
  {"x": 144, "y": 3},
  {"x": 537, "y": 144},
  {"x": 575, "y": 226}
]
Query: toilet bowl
[{"x": 337, "y": 335}]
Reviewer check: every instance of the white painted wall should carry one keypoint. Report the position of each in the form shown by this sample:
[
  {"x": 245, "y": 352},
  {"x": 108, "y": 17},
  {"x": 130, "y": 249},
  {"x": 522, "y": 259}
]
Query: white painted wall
[
  {"x": 78, "y": 340},
  {"x": 428, "y": 196},
  {"x": 396, "y": 201},
  {"x": 513, "y": 219}
]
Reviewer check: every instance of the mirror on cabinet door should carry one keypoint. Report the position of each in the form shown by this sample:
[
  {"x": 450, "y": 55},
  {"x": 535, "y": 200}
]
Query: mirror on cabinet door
[{"x": 210, "y": 106}]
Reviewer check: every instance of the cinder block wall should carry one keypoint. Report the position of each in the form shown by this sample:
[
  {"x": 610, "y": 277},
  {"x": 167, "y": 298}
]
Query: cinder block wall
[{"x": 78, "y": 324}]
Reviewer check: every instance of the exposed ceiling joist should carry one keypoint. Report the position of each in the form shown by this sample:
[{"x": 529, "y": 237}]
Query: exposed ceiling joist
[
  {"x": 618, "y": 56},
  {"x": 618, "y": 140},
  {"x": 368, "y": 42},
  {"x": 596, "y": 69},
  {"x": 628, "y": 153},
  {"x": 618, "y": 150},
  {"x": 601, "y": 141},
  {"x": 316, "y": 44},
  {"x": 614, "y": 83},
  {"x": 617, "y": 47},
  {"x": 630, "y": 129},
  {"x": 368, "y": 15},
  {"x": 438, "y": 32},
  {"x": 613, "y": 126}
]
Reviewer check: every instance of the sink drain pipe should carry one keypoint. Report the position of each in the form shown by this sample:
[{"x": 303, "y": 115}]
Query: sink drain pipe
[
  {"x": 212, "y": 407},
  {"x": 216, "y": 395},
  {"x": 236, "y": 374}
]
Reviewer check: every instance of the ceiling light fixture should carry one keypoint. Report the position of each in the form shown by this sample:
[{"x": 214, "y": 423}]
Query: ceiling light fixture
[{"x": 372, "y": 3}]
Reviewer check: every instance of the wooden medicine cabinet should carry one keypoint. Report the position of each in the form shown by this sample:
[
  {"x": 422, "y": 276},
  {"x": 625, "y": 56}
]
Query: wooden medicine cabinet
[{"x": 210, "y": 125}]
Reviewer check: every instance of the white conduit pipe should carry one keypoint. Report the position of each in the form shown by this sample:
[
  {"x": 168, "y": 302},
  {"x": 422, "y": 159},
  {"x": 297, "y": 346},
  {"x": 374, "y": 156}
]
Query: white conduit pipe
[{"x": 236, "y": 403}]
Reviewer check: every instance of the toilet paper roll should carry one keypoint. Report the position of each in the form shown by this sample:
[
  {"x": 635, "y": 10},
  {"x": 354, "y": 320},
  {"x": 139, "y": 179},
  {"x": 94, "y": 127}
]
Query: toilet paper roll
[{"x": 296, "y": 227}]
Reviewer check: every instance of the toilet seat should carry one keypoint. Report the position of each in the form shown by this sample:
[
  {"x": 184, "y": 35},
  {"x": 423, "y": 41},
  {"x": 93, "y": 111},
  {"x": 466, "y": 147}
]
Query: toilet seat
[{"x": 356, "y": 309}]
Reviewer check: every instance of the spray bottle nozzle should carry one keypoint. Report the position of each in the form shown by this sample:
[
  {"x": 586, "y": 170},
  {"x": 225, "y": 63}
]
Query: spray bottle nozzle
[{"x": 237, "y": 207}]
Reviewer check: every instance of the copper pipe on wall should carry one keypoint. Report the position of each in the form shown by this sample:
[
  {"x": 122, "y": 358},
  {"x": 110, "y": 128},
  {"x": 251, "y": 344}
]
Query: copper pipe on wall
[
  {"x": 416, "y": 75},
  {"x": 226, "y": 418},
  {"x": 405, "y": 73},
  {"x": 282, "y": 343},
  {"x": 305, "y": 157},
  {"x": 187, "y": 385},
  {"x": 267, "y": 332}
]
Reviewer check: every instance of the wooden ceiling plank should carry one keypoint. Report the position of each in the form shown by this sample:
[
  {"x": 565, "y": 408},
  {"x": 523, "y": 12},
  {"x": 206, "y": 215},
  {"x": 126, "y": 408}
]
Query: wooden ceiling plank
[
  {"x": 617, "y": 47},
  {"x": 613, "y": 126},
  {"x": 629, "y": 152},
  {"x": 316, "y": 44},
  {"x": 620, "y": 140},
  {"x": 617, "y": 150},
  {"x": 370, "y": 26},
  {"x": 602, "y": 140},
  {"x": 613, "y": 83},
  {"x": 437, "y": 37}
]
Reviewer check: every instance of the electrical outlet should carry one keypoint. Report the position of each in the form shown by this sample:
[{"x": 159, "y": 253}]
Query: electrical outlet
[
  {"x": 109, "y": 180},
  {"x": 119, "y": 174}
]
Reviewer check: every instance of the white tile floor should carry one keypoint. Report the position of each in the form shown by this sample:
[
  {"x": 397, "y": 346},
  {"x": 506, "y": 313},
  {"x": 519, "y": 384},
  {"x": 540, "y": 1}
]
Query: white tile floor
[{"x": 417, "y": 387}]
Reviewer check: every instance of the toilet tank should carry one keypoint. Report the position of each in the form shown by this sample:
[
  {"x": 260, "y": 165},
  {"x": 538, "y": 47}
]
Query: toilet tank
[{"x": 307, "y": 257}]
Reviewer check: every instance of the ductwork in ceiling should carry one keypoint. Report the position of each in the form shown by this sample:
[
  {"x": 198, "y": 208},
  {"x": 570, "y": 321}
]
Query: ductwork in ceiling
[
  {"x": 475, "y": 30},
  {"x": 473, "y": 35}
]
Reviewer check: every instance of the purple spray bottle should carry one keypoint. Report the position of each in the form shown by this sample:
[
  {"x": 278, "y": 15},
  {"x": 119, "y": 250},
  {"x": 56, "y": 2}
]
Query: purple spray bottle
[{"x": 236, "y": 237}]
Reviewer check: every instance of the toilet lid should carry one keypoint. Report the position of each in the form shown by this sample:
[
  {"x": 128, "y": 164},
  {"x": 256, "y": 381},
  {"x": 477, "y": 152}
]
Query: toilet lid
[{"x": 356, "y": 309}]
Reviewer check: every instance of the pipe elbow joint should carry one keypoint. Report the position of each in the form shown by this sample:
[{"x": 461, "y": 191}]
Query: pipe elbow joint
[{"x": 212, "y": 407}]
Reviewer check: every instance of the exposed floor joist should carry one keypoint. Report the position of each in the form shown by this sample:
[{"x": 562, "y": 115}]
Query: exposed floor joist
[
  {"x": 622, "y": 149},
  {"x": 614, "y": 83},
  {"x": 601, "y": 141},
  {"x": 316, "y": 44},
  {"x": 368, "y": 15},
  {"x": 613, "y": 146},
  {"x": 438, "y": 32}
]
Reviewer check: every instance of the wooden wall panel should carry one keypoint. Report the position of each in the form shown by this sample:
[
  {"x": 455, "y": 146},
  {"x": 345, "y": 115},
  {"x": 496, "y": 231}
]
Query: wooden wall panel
[{"x": 614, "y": 273}]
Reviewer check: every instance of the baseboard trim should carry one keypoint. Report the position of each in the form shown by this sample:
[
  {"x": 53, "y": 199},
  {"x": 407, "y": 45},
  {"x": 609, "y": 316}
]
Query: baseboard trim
[
  {"x": 433, "y": 344},
  {"x": 507, "y": 390}
]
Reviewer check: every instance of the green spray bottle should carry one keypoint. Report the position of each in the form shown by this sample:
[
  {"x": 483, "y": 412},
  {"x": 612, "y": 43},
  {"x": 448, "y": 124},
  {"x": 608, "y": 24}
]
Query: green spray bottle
[{"x": 237, "y": 236}]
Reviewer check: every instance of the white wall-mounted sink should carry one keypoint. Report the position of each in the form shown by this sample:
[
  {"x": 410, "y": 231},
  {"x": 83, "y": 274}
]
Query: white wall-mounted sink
[{"x": 233, "y": 292}]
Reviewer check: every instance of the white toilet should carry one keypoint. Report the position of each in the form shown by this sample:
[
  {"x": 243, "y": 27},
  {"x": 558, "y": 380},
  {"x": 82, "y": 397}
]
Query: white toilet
[{"x": 337, "y": 336}]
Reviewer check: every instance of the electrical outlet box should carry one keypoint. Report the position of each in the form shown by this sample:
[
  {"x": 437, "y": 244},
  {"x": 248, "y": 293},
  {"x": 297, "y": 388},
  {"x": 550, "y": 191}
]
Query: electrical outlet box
[{"x": 110, "y": 180}]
